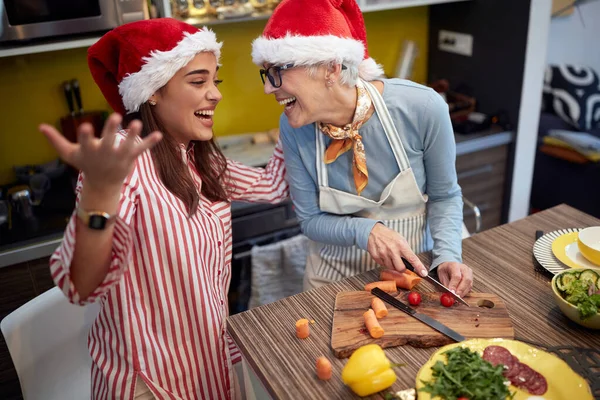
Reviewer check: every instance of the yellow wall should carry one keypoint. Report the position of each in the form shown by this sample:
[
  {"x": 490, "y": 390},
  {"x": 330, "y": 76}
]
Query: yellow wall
[{"x": 30, "y": 85}]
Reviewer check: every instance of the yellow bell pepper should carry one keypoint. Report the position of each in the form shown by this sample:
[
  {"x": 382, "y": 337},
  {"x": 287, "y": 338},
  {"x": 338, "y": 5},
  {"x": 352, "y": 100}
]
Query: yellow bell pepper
[{"x": 368, "y": 371}]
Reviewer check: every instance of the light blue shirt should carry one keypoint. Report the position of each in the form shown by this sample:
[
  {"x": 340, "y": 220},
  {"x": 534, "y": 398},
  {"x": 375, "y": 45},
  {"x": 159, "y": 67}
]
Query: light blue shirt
[{"x": 422, "y": 120}]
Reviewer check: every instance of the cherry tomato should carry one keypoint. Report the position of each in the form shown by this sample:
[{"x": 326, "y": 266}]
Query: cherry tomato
[
  {"x": 463, "y": 398},
  {"x": 414, "y": 298},
  {"x": 446, "y": 300}
]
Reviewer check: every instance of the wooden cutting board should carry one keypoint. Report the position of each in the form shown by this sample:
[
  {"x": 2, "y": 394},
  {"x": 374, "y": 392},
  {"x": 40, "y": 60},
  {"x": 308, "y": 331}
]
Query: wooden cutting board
[{"x": 478, "y": 321}]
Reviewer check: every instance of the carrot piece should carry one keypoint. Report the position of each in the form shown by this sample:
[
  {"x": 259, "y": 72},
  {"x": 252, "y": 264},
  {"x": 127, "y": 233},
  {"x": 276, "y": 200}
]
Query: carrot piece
[
  {"x": 379, "y": 308},
  {"x": 323, "y": 368},
  {"x": 375, "y": 330},
  {"x": 302, "y": 328},
  {"x": 386, "y": 286},
  {"x": 407, "y": 280},
  {"x": 409, "y": 272}
]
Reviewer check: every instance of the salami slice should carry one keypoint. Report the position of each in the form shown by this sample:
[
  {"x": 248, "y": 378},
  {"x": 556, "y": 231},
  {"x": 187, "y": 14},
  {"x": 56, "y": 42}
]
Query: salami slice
[
  {"x": 496, "y": 355},
  {"x": 520, "y": 375},
  {"x": 524, "y": 376},
  {"x": 537, "y": 385},
  {"x": 513, "y": 370}
]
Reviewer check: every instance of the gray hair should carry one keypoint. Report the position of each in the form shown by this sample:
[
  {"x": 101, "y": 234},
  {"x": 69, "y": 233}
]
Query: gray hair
[{"x": 348, "y": 76}]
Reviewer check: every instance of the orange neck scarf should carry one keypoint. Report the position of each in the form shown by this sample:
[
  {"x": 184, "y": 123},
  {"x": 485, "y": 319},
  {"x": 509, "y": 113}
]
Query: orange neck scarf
[{"x": 347, "y": 137}]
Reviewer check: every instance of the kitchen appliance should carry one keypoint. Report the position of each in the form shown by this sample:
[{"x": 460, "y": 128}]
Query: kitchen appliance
[
  {"x": 435, "y": 283},
  {"x": 255, "y": 225},
  {"x": 486, "y": 318},
  {"x": 34, "y": 19}
]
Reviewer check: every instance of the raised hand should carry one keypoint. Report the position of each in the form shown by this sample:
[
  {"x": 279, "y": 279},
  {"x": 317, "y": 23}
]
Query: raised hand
[{"x": 105, "y": 165}]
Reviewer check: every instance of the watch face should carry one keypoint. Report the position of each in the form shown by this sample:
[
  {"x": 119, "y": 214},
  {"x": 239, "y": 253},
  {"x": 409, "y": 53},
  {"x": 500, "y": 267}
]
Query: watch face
[{"x": 97, "y": 222}]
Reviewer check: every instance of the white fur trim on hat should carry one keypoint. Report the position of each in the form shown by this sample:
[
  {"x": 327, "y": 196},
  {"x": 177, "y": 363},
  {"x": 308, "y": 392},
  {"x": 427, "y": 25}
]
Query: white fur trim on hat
[
  {"x": 307, "y": 50},
  {"x": 369, "y": 70},
  {"x": 161, "y": 66}
]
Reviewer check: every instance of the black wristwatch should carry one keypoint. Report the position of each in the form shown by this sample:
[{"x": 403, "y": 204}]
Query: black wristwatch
[{"x": 96, "y": 220}]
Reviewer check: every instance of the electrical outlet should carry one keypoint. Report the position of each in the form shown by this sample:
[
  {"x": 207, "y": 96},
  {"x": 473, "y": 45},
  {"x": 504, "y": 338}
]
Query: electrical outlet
[{"x": 454, "y": 42}]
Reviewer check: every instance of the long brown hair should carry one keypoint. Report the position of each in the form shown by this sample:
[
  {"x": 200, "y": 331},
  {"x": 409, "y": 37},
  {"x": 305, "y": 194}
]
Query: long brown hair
[{"x": 173, "y": 172}]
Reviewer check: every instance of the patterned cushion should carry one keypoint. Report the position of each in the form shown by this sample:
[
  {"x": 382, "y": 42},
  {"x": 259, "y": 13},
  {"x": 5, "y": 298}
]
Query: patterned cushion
[{"x": 573, "y": 93}]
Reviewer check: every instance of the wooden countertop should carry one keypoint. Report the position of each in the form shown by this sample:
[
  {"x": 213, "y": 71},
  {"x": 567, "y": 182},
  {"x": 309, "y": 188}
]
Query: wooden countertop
[{"x": 502, "y": 261}]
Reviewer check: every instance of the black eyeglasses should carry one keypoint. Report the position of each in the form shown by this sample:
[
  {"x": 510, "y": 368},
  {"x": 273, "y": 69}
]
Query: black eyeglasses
[{"x": 274, "y": 74}]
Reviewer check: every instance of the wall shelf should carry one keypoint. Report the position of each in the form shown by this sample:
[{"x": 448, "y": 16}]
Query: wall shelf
[{"x": 63, "y": 44}]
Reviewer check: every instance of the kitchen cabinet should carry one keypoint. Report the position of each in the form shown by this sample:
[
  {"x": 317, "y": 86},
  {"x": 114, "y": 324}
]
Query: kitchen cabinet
[{"x": 481, "y": 176}]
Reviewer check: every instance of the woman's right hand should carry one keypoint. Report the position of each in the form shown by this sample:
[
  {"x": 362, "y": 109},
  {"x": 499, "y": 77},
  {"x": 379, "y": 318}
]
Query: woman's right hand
[
  {"x": 387, "y": 247},
  {"x": 105, "y": 165}
]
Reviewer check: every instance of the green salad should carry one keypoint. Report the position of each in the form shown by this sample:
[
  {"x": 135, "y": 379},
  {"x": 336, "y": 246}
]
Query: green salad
[
  {"x": 582, "y": 289},
  {"x": 467, "y": 375}
]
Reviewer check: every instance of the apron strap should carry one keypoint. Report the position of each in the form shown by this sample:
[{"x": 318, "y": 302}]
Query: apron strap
[
  {"x": 388, "y": 126},
  {"x": 322, "y": 178}
]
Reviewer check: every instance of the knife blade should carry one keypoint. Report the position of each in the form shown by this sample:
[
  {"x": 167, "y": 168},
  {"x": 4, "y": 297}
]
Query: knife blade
[
  {"x": 427, "y": 320},
  {"x": 435, "y": 283},
  {"x": 69, "y": 96}
]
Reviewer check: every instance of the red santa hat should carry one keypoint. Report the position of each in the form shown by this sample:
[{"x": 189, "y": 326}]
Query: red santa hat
[
  {"x": 131, "y": 62},
  {"x": 307, "y": 32}
]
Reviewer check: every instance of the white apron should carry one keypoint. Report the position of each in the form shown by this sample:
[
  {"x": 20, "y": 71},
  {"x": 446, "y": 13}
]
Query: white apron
[{"x": 402, "y": 207}]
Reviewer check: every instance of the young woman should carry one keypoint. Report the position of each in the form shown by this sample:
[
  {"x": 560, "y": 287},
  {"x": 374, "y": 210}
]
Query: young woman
[{"x": 150, "y": 238}]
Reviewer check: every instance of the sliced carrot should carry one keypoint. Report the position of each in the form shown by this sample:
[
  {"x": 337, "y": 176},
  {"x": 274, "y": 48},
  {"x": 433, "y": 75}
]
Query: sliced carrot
[
  {"x": 375, "y": 330},
  {"x": 379, "y": 308},
  {"x": 407, "y": 280},
  {"x": 302, "y": 328},
  {"x": 323, "y": 368},
  {"x": 386, "y": 286},
  {"x": 409, "y": 272}
]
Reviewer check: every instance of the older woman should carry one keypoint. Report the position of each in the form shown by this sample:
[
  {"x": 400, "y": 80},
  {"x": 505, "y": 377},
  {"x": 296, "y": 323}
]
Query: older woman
[{"x": 370, "y": 161}]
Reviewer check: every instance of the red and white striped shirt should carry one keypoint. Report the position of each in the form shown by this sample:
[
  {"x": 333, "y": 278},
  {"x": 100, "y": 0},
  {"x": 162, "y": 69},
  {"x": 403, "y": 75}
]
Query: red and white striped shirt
[{"x": 164, "y": 299}]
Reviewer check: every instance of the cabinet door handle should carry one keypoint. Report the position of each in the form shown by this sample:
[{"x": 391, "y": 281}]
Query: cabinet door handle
[{"x": 476, "y": 171}]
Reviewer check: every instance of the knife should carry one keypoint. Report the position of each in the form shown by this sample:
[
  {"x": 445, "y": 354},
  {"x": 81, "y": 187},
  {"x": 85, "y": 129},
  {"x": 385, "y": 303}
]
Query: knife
[
  {"x": 69, "y": 96},
  {"x": 427, "y": 320},
  {"x": 435, "y": 283},
  {"x": 77, "y": 93}
]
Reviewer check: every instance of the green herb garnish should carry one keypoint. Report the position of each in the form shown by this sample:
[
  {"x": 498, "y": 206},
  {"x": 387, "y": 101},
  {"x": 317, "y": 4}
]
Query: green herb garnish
[
  {"x": 576, "y": 293},
  {"x": 466, "y": 374}
]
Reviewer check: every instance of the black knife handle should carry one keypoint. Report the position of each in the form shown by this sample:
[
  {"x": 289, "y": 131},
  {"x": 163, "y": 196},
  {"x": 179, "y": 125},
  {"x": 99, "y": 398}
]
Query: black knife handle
[
  {"x": 408, "y": 265},
  {"x": 69, "y": 97},
  {"x": 392, "y": 300},
  {"x": 77, "y": 92}
]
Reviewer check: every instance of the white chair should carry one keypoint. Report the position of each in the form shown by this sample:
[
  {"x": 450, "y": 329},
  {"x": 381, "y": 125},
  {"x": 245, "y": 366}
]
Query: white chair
[{"x": 47, "y": 341}]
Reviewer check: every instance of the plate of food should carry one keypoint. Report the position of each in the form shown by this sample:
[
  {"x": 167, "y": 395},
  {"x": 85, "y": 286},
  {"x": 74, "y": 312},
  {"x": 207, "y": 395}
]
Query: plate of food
[
  {"x": 577, "y": 294},
  {"x": 498, "y": 369},
  {"x": 566, "y": 249},
  {"x": 542, "y": 250}
]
